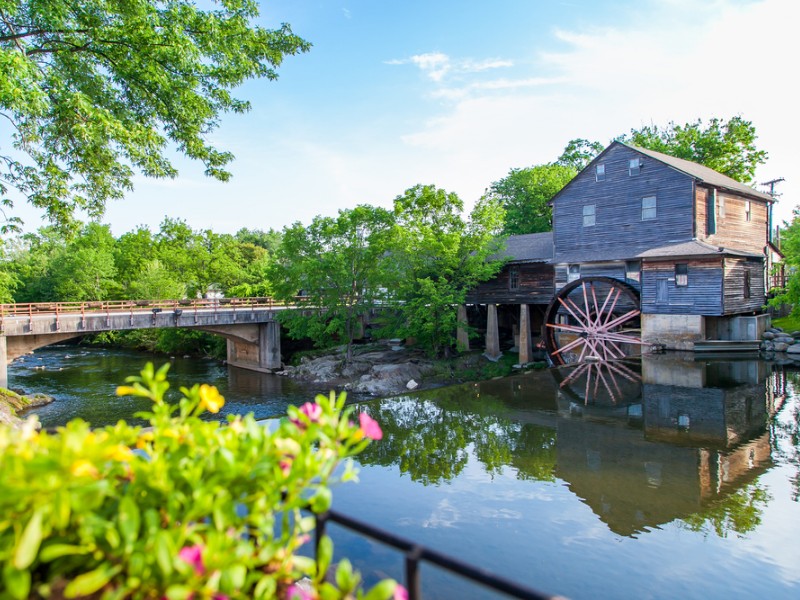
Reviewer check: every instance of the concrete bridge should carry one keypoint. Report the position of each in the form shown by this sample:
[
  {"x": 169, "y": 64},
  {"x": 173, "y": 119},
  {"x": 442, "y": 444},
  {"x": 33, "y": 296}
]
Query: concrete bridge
[{"x": 248, "y": 324}]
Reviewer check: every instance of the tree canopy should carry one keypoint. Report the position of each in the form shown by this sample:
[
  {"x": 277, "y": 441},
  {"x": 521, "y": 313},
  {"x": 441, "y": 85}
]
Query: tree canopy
[
  {"x": 97, "y": 90},
  {"x": 728, "y": 147}
]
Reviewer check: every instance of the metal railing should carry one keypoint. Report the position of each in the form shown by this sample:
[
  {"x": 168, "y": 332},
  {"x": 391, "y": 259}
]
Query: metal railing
[{"x": 416, "y": 553}]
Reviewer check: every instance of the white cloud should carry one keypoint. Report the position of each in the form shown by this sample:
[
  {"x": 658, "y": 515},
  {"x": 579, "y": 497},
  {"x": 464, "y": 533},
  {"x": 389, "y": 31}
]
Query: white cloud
[{"x": 672, "y": 62}]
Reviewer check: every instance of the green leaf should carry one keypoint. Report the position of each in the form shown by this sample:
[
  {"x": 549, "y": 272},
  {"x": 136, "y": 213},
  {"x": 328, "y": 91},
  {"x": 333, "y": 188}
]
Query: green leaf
[
  {"x": 381, "y": 591},
  {"x": 233, "y": 577},
  {"x": 321, "y": 501},
  {"x": 324, "y": 556},
  {"x": 265, "y": 588},
  {"x": 29, "y": 543},
  {"x": 345, "y": 578},
  {"x": 89, "y": 583},
  {"x": 17, "y": 582},
  {"x": 179, "y": 592},
  {"x": 129, "y": 519},
  {"x": 165, "y": 551},
  {"x": 54, "y": 551}
]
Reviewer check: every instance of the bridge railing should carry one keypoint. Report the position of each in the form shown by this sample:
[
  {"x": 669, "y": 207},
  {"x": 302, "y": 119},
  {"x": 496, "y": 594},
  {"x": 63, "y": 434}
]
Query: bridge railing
[{"x": 29, "y": 309}]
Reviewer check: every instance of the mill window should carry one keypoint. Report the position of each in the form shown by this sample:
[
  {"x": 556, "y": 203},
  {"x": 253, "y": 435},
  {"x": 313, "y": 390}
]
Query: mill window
[
  {"x": 747, "y": 284},
  {"x": 634, "y": 166},
  {"x": 588, "y": 215},
  {"x": 747, "y": 213},
  {"x": 682, "y": 275},
  {"x": 513, "y": 279},
  {"x": 600, "y": 173},
  {"x": 573, "y": 273},
  {"x": 648, "y": 208}
]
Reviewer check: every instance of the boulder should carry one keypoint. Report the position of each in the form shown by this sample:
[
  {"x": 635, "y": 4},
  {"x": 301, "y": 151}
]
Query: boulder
[
  {"x": 794, "y": 349},
  {"x": 783, "y": 347},
  {"x": 767, "y": 335}
]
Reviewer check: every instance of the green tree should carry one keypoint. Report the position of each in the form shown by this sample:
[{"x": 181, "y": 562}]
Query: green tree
[
  {"x": 133, "y": 252},
  {"x": 525, "y": 195},
  {"x": 578, "y": 153},
  {"x": 84, "y": 269},
  {"x": 337, "y": 264},
  {"x": 728, "y": 147},
  {"x": 156, "y": 282},
  {"x": 96, "y": 90},
  {"x": 437, "y": 257}
]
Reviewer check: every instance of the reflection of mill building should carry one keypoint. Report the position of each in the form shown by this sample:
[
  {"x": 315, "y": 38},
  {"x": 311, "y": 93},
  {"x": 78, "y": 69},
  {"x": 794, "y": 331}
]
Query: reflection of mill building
[
  {"x": 691, "y": 245},
  {"x": 696, "y": 435}
]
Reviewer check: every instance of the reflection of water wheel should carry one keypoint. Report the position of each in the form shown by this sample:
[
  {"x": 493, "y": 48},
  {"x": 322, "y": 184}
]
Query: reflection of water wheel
[
  {"x": 602, "y": 383},
  {"x": 593, "y": 318}
]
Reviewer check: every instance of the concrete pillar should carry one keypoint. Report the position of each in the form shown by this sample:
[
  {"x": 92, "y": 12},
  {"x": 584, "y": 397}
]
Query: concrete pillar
[
  {"x": 269, "y": 345},
  {"x": 492, "y": 334},
  {"x": 3, "y": 362},
  {"x": 525, "y": 341},
  {"x": 462, "y": 336}
]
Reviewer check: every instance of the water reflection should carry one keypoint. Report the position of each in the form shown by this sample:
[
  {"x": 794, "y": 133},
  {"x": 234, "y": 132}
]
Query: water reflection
[{"x": 641, "y": 443}]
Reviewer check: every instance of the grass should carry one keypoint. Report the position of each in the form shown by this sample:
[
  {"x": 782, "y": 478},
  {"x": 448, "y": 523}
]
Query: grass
[{"x": 788, "y": 324}]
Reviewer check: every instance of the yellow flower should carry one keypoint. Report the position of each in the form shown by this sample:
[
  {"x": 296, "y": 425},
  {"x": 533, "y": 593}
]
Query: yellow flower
[
  {"x": 120, "y": 452},
  {"x": 144, "y": 438},
  {"x": 210, "y": 398},
  {"x": 83, "y": 468},
  {"x": 125, "y": 390}
]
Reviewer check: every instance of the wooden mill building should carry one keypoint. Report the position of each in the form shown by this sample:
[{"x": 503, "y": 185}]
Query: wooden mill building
[{"x": 689, "y": 247}]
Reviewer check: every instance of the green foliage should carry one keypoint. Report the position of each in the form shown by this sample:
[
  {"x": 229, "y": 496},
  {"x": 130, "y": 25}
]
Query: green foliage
[
  {"x": 436, "y": 257},
  {"x": 726, "y": 146},
  {"x": 185, "y": 508},
  {"x": 96, "y": 90},
  {"x": 790, "y": 247},
  {"x": 578, "y": 153},
  {"x": 738, "y": 512},
  {"x": 525, "y": 195},
  {"x": 337, "y": 264}
]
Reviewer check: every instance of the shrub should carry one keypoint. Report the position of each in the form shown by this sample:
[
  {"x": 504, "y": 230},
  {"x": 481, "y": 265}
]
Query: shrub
[{"x": 185, "y": 508}]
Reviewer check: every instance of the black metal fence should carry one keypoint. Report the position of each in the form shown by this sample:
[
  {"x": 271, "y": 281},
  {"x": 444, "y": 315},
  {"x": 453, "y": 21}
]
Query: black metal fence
[{"x": 416, "y": 553}]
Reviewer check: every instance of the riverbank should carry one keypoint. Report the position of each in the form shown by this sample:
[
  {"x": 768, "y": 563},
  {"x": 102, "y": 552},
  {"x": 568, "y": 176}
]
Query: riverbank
[
  {"x": 382, "y": 369},
  {"x": 14, "y": 405}
]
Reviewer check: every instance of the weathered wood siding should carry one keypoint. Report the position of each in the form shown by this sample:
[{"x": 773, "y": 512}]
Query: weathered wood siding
[
  {"x": 735, "y": 301},
  {"x": 702, "y": 295},
  {"x": 535, "y": 286},
  {"x": 614, "y": 269},
  {"x": 733, "y": 228},
  {"x": 619, "y": 231}
]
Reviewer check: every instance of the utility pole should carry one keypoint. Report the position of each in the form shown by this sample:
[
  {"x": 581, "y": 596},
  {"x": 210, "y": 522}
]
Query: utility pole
[{"x": 771, "y": 183}]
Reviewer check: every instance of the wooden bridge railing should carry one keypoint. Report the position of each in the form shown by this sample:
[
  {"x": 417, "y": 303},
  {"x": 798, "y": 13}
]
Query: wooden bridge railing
[{"x": 28, "y": 309}]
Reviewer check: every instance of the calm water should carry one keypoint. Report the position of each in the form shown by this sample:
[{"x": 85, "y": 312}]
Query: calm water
[{"x": 669, "y": 478}]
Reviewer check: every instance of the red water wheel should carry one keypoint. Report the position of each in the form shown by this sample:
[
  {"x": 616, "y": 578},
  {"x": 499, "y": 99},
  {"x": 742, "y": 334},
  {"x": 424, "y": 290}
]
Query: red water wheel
[{"x": 592, "y": 318}]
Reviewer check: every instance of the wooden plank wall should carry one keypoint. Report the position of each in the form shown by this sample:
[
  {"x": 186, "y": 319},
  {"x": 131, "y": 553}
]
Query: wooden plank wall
[
  {"x": 535, "y": 286},
  {"x": 614, "y": 269},
  {"x": 733, "y": 229},
  {"x": 735, "y": 302},
  {"x": 702, "y": 296},
  {"x": 619, "y": 231}
]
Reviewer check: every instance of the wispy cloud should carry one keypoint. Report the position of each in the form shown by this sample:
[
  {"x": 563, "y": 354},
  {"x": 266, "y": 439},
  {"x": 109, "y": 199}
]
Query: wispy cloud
[{"x": 437, "y": 65}]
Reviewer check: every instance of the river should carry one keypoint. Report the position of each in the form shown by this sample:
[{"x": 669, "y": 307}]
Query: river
[{"x": 670, "y": 477}]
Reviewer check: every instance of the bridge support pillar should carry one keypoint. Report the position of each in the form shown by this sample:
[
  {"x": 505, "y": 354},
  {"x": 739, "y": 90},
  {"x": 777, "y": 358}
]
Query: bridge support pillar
[
  {"x": 462, "y": 336},
  {"x": 492, "y": 334},
  {"x": 525, "y": 339},
  {"x": 3, "y": 362},
  {"x": 269, "y": 345}
]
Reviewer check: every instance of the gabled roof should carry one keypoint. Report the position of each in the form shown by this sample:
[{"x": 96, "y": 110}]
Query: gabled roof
[
  {"x": 693, "y": 248},
  {"x": 698, "y": 172},
  {"x": 530, "y": 247},
  {"x": 701, "y": 173}
]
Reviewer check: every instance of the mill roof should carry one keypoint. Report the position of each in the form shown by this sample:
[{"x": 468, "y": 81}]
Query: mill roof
[
  {"x": 529, "y": 247},
  {"x": 693, "y": 248}
]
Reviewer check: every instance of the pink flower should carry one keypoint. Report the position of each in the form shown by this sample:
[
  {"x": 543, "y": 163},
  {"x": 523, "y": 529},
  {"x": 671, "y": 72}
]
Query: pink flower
[
  {"x": 219, "y": 596},
  {"x": 312, "y": 411},
  {"x": 400, "y": 593},
  {"x": 297, "y": 592},
  {"x": 286, "y": 466},
  {"x": 370, "y": 427},
  {"x": 193, "y": 555}
]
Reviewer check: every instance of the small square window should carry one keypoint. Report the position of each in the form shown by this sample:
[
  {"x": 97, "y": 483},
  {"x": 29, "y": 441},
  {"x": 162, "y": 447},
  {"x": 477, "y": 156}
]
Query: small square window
[
  {"x": 588, "y": 215},
  {"x": 573, "y": 273},
  {"x": 633, "y": 270},
  {"x": 682, "y": 275},
  {"x": 513, "y": 279},
  {"x": 634, "y": 166},
  {"x": 649, "y": 208},
  {"x": 600, "y": 173},
  {"x": 747, "y": 214}
]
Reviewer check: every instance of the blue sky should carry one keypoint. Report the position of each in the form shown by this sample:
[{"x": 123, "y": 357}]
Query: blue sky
[{"x": 456, "y": 93}]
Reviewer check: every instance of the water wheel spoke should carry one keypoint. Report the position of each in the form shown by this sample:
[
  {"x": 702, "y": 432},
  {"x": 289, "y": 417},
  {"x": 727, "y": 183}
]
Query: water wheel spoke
[
  {"x": 582, "y": 319},
  {"x": 623, "y": 371},
  {"x": 569, "y": 346},
  {"x": 620, "y": 337},
  {"x": 621, "y": 319},
  {"x": 566, "y": 327}
]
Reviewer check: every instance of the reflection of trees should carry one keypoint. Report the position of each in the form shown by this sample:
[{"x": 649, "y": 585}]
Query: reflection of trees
[
  {"x": 738, "y": 512},
  {"x": 787, "y": 436},
  {"x": 430, "y": 436}
]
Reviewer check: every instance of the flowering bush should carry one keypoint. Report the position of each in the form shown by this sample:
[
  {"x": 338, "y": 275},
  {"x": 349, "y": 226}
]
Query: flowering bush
[{"x": 183, "y": 509}]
